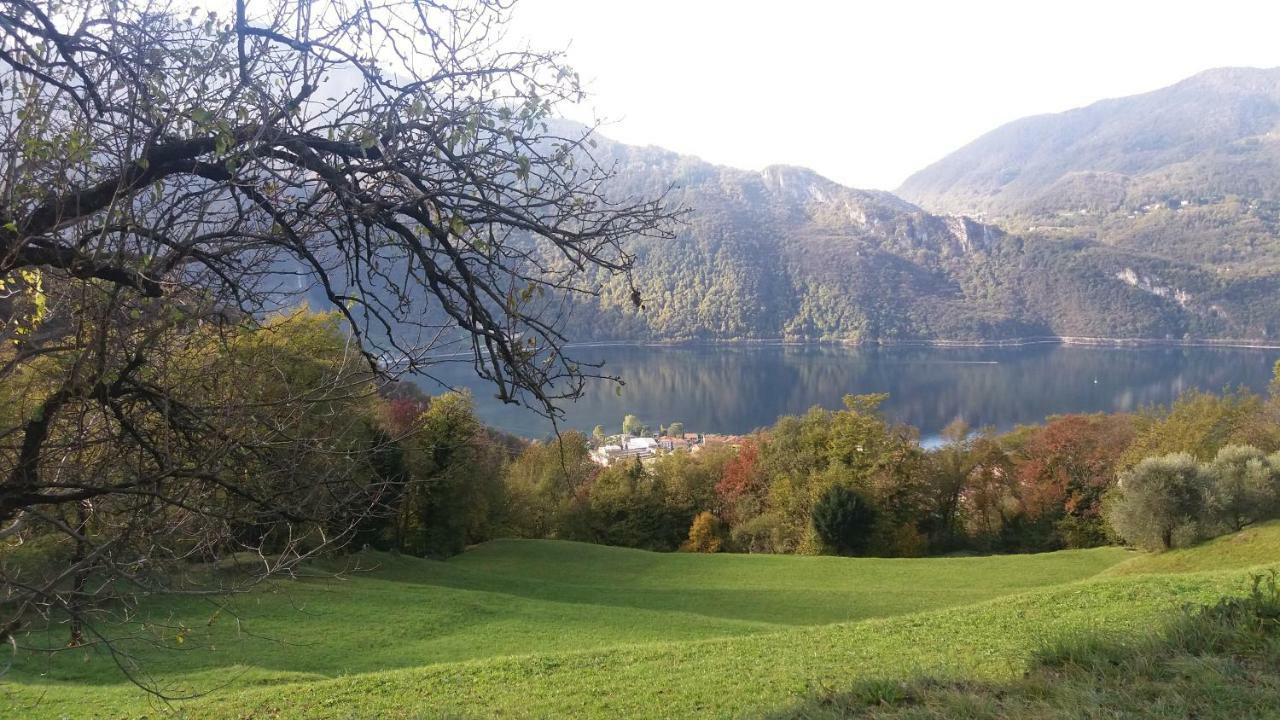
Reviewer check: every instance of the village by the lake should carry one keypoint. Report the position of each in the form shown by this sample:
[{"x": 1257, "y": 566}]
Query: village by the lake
[{"x": 647, "y": 447}]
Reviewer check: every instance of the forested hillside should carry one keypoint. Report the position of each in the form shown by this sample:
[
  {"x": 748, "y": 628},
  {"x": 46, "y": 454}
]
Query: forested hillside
[
  {"x": 1190, "y": 172},
  {"x": 786, "y": 253}
]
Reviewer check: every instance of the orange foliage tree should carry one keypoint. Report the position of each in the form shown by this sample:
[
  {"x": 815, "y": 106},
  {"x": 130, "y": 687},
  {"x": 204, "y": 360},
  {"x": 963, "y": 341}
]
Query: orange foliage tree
[
  {"x": 1065, "y": 469},
  {"x": 742, "y": 486}
]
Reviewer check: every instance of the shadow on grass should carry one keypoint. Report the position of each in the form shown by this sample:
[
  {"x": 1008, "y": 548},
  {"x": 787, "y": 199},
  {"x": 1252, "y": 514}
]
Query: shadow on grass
[
  {"x": 375, "y": 612},
  {"x": 1218, "y": 662}
]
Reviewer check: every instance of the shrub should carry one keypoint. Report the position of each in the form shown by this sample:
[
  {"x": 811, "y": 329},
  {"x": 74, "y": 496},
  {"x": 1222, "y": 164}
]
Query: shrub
[
  {"x": 1244, "y": 625},
  {"x": 1159, "y": 504},
  {"x": 844, "y": 520},
  {"x": 37, "y": 561},
  {"x": 907, "y": 541},
  {"x": 760, "y": 534},
  {"x": 704, "y": 534},
  {"x": 1238, "y": 623}
]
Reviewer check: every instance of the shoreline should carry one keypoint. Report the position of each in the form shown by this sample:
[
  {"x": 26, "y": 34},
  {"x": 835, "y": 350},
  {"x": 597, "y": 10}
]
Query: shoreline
[{"x": 1070, "y": 340}]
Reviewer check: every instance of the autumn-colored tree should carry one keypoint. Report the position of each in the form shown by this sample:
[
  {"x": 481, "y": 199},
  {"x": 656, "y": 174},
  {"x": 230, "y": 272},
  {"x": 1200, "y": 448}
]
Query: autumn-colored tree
[
  {"x": 741, "y": 488},
  {"x": 400, "y": 414},
  {"x": 704, "y": 534},
  {"x": 1200, "y": 423},
  {"x": 1065, "y": 469}
]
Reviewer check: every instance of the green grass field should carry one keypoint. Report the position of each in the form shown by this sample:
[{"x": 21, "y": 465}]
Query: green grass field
[{"x": 554, "y": 629}]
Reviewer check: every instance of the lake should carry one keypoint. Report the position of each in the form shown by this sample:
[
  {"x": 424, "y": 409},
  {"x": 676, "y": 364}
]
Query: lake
[{"x": 737, "y": 388}]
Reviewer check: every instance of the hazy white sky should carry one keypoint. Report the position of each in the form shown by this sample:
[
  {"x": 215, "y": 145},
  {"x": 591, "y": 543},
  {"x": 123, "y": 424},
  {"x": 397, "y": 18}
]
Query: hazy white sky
[{"x": 868, "y": 92}]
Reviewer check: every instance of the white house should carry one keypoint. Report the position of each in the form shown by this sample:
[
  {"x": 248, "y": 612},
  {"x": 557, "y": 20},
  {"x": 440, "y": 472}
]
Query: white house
[{"x": 626, "y": 448}]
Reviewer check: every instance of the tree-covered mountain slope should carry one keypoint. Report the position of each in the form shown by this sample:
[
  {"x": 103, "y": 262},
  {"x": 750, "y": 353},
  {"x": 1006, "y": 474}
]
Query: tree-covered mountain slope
[
  {"x": 1190, "y": 173},
  {"x": 788, "y": 254}
]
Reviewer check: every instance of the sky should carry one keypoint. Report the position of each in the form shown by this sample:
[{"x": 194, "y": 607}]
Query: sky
[{"x": 868, "y": 92}]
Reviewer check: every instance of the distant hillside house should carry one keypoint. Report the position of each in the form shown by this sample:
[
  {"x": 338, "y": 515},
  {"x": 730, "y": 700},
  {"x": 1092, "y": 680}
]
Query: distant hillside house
[
  {"x": 630, "y": 448},
  {"x": 671, "y": 443},
  {"x": 645, "y": 449}
]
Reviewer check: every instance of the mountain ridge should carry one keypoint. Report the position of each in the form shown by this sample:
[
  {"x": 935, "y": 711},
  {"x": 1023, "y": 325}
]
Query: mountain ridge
[
  {"x": 786, "y": 253},
  {"x": 998, "y": 171},
  {"x": 1094, "y": 254}
]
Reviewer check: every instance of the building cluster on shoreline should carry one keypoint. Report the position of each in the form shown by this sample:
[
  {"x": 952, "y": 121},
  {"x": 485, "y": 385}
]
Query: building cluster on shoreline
[{"x": 627, "y": 447}]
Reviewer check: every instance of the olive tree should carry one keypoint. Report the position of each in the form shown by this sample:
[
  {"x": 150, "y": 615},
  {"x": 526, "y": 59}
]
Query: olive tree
[
  {"x": 1244, "y": 487},
  {"x": 171, "y": 177},
  {"x": 1160, "y": 503}
]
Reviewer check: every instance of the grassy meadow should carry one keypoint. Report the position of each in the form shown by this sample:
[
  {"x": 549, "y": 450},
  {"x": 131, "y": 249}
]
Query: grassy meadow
[{"x": 557, "y": 629}]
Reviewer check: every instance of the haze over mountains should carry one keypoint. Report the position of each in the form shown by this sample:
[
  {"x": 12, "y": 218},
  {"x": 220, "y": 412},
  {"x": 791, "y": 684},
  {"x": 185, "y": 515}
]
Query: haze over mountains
[
  {"x": 1214, "y": 130},
  {"x": 1153, "y": 216}
]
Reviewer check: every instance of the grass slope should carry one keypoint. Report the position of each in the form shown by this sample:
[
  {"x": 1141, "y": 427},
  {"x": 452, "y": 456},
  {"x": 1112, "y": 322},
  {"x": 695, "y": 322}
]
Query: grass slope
[
  {"x": 781, "y": 589},
  {"x": 536, "y": 629},
  {"x": 1256, "y": 545},
  {"x": 1216, "y": 662}
]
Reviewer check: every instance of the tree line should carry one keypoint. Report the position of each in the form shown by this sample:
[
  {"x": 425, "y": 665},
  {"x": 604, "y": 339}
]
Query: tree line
[
  {"x": 849, "y": 481},
  {"x": 846, "y": 481}
]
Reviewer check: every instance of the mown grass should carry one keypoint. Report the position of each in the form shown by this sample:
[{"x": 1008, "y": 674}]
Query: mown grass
[
  {"x": 1252, "y": 546},
  {"x": 1219, "y": 662},
  {"x": 779, "y": 589},
  {"x": 548, "y": 629},
  {"x": 517, "y": 597}
]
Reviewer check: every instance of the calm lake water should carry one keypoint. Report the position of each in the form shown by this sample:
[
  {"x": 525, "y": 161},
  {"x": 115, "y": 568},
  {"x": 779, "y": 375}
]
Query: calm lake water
[{"x": 735, "y": 389}]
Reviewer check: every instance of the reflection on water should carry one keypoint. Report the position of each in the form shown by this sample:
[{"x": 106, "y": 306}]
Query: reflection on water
[{"x": 734, "y": 389}]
